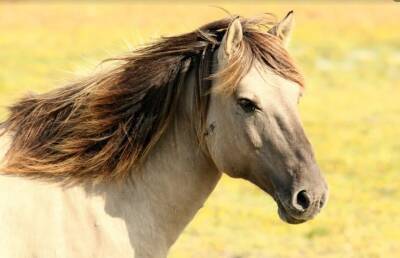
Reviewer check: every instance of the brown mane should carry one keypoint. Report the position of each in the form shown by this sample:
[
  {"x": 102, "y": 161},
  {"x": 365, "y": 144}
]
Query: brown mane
[{"x": 101, "y": 127}]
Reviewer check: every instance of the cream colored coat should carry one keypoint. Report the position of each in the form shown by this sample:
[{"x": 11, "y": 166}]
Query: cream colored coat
[{"x": 141, "y": 218}]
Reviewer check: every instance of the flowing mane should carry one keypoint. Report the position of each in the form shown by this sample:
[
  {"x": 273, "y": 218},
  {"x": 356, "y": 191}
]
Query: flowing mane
[{"x": 101, "y": 127}]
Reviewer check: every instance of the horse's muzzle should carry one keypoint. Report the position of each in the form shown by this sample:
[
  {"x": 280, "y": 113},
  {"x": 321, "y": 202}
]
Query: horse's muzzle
[{"x": 301, "y": 206}]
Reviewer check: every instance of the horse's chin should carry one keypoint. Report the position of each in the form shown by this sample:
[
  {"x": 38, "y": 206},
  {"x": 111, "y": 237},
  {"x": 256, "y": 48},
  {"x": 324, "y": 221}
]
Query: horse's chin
[
  {"x": 283, "y": 214},
  {"x": 287, "y": 217}
]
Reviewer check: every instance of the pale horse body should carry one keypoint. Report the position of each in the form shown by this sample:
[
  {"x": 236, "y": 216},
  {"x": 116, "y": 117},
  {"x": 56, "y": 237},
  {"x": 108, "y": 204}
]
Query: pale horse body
[{"x": 144, "y": 215}]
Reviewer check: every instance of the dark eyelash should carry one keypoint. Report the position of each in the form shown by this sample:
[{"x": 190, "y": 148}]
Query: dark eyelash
[{"x": 247, "y": 105}]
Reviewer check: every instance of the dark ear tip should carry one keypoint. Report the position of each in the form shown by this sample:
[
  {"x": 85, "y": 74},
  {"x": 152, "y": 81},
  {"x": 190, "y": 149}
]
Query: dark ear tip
[
  {"x": 290, "y": 13},
  {"x": 236, "y": 18}
]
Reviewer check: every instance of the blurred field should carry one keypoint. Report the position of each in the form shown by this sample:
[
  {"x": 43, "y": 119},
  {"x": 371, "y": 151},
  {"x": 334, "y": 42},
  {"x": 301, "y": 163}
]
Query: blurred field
[{"x": 350, "y": 54}]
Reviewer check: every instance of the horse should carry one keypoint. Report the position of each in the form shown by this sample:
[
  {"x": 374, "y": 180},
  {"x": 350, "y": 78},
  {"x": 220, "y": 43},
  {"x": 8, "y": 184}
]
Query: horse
[{"x": 118, "y": 163}]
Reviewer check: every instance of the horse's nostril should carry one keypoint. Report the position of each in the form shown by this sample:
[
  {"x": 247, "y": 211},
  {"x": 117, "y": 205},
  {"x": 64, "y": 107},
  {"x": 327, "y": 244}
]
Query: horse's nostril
[
  {"x": 302, "y": 200},
  {"x": 321, "y": 204},
  {"x": 322, "y": 201}
]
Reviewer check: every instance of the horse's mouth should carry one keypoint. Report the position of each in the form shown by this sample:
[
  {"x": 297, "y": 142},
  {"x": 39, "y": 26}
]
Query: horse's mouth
[
  {"x": 286, "y": 217},
  {"x": 285, "y": 213}
]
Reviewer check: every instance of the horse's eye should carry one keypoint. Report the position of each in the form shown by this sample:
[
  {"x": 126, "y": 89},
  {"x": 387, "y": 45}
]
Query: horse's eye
[{"x": 247, "y": 105}]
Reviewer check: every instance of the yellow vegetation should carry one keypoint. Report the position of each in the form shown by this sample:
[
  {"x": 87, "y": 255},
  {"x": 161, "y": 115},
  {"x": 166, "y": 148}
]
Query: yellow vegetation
[{"x": 350, "y": 54}]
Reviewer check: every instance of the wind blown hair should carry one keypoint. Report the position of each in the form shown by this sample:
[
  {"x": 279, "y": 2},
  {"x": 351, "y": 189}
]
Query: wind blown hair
[{"x": 101, "y": 127}]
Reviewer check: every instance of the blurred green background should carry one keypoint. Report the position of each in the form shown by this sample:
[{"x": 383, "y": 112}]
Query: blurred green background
[{"x": 350, "y": 55}]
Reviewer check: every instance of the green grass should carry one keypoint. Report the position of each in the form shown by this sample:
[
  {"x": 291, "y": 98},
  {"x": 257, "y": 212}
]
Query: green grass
[{"x": 350, "y": 55}]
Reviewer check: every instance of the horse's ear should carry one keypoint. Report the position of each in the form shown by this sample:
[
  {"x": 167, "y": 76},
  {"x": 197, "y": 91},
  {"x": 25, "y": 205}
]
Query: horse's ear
[
  {"x": 232, "y": 38},
  {"x": 283, "y": 28}
]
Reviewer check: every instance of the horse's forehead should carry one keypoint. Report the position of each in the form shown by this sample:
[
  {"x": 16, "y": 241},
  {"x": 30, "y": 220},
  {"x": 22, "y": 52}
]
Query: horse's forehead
[{"x": 262, "y": 80}]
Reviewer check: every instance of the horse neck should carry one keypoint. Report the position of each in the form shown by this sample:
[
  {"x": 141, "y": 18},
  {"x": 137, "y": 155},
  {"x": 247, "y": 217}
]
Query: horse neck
[{"x": 163, "y": 195}]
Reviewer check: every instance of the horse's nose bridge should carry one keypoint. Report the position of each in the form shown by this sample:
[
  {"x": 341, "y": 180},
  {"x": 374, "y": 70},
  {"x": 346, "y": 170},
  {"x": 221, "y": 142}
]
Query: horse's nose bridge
[
  {"x": 309, "y": 176},
  {"x": 297, "y": 158},
  {"x": 295, "y": 143},
  {"x": 306, "y": 174}
]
